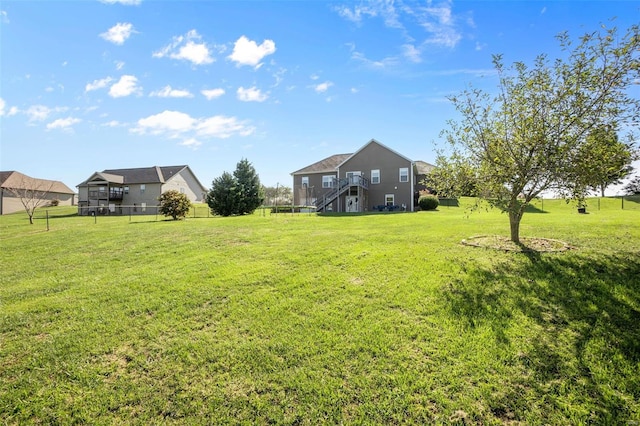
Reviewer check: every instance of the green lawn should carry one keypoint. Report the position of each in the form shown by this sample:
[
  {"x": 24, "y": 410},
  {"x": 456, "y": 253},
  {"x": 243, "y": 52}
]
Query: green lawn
[{"x": 311, "y": 319}]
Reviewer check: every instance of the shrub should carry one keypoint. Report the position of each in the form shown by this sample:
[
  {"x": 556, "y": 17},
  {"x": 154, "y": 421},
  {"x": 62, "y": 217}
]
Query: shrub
[
  {"x": 174, "y": 204},
  {"x": 54, "y": 202},
  {"x": 428, "y": 202}
]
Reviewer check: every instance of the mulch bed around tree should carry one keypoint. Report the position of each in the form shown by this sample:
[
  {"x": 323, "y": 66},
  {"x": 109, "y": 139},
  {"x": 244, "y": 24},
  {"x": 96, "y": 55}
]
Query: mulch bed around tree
[{"x": 498, "y": 242}]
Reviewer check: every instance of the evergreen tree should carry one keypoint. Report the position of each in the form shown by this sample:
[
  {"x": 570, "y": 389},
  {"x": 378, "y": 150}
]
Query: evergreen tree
[
  {"x": 223, "y": 197},
  {"x": 250, "y": 193}
]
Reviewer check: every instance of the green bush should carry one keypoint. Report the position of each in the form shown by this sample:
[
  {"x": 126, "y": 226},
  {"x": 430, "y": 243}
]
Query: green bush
[
  {"x": 428, "y": 202},
  {"x": 174, "y": 204}
]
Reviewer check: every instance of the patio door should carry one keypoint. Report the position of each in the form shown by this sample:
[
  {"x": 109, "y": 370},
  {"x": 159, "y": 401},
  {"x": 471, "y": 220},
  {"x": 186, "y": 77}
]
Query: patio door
[
  {"x": 354, "y": 177},
  {"x": 352, "y": 204}
]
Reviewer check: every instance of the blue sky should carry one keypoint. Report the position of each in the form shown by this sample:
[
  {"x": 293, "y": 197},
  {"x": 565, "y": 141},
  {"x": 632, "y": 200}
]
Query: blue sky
[{"x": 93, "y": 85}]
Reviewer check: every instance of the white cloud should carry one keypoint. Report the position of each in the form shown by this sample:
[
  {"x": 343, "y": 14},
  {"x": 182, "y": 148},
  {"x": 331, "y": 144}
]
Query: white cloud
[
  {"x": 174, "y": 124},
  {"x": 411, "y": 53},
  {"x": 38, "y": 112},
  {"x": 125, "y": 2},
  {"x": 63, "y": 123},
  {"x": 2, "y": 106},
  {"x": 252, "y": 94},
  {"x": 119, "y": 65},
  {"x": 369, "y": 63},
  {"x": 168, "y": 92},
  {"x": 4, "y": 18},
  {"x": 222, "y": 127},
  {"x": 168, "y": 122},
  {"x": 212, "y": 93},
  {"x": 356, "y": 14},
  {"x": 322, "y": 87},
  {"x": 191, "y": 143},
  {"x": 112, "y": 123},
  {"x": 435, "y": 18},
  {"x": 248, "y": 52},
  {"x": 98, "y": 84},
  {"x": 187, "y": 48},
  {"x": 119, "y": 33},
  {"x": 126, "y": 86}
]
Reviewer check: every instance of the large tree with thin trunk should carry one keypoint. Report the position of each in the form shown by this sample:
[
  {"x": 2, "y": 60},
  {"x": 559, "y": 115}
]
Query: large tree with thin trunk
[{"x": 525, "y": 139}]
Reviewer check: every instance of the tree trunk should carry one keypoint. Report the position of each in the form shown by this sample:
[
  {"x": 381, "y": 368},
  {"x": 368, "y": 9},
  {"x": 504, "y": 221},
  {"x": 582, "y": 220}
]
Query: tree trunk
[
  {"x": 602, "y": 188},
  {"x": 514, "y": 223}
]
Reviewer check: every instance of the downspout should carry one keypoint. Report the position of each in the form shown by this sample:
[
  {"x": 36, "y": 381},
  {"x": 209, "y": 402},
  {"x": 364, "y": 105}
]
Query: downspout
[
  {"x": 338, "y": 195},
  {"x": 412, "y": 198}
]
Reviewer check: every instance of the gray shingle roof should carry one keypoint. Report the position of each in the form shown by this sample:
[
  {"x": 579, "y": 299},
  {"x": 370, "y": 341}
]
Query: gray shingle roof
[
  {"x": 329, "y": 164},
  {"x": 423, "y": 168},
  {"x": 153, "y": 174}
]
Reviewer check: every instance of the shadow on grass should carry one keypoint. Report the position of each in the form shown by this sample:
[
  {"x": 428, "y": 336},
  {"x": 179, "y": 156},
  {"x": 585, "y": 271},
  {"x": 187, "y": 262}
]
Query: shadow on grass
[
  {"x": 582, "y": 325},
  {"x": 533, "y": 209}
]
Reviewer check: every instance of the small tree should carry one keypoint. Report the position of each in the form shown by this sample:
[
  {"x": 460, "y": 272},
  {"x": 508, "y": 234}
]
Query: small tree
[
  {"x": 32, "y": 193},
  {"x": 250, "y": 194},
  {"x": 174, "y": 204},
  {"x": 223, "y": 197},
  {"x": 452, "y": 178},
  {"x": 633, "y": 187},
  {"x": 603, "y": 159},
  {"x": 527, "y": 138}
]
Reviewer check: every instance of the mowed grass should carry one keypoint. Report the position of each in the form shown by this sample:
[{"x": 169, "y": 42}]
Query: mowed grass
[{"x": 310, "y": 319}]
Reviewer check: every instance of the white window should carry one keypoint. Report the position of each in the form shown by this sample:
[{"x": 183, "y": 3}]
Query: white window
[
  {"x": 126, "y": 189},
  {"x": 389, "y": 199},
  {"x": 305, "y": 180},
  {"x": 375, "y": 176},
  {"x": 404, "y": 174},
  {"x": 142, "y": 188},
  {"x": 327, "y": 181}
]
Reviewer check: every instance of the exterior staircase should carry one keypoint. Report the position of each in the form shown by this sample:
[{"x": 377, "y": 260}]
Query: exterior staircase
[{"x": 340, "y": 186}]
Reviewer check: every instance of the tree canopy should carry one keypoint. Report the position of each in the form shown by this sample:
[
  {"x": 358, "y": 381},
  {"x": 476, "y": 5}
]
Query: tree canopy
[
  {"x": 236, "y": 194},
  {"x": 174, "y": 204},
  {"x": 604, "y": 160},
  {"x": 526, "y": 138}
]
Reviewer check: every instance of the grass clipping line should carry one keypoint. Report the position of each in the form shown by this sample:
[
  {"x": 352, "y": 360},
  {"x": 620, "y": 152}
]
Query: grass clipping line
[{"x": 499, "y": 242}]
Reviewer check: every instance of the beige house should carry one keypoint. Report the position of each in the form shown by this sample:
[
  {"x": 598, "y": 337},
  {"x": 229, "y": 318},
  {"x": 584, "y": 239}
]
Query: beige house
[
  {"x": 135, "y": 191},
  {"x": 374, "y": 178},
  {"x": 15, "y": 185}
]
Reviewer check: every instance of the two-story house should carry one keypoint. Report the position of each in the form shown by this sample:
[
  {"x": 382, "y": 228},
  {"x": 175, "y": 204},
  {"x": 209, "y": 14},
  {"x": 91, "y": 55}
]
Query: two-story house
[
  {"x": 373, "y": 178},
  {"x": 111, "y": 191}
]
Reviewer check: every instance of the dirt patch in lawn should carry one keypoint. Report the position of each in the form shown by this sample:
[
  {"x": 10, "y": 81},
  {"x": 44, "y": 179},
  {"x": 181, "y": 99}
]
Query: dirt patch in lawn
[{"x": 527, "y": 244}]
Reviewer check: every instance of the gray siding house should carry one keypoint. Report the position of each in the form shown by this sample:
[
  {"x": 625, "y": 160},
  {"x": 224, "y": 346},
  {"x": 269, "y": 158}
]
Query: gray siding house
[
  {"x": 373, "y": 178},
  {"x": 134, "y": 191}
]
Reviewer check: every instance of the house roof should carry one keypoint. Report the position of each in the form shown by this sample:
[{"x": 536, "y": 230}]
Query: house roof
[
  {"x": 17, "y": 180},
  {"x": 329, "y": 164},
  {"x": 378, "y": 143},
  {"x": 423, "y": 168},
  {"x": 154, "y": 174}
]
